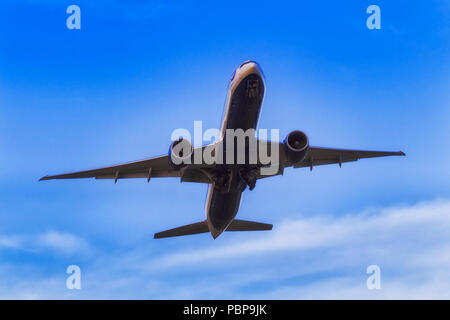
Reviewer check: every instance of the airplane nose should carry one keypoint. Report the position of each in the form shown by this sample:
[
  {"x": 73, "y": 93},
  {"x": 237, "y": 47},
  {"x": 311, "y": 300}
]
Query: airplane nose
[
  {"x": 247, "y": 62},
  {"x": 251, "y": 66}
]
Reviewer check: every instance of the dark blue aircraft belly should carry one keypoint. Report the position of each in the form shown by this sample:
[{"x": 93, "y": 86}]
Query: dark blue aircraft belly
[
  {"x": 246, "y": 103},
  {"x": 245, "y": 106},
  {"x": 224, "y": 207}
]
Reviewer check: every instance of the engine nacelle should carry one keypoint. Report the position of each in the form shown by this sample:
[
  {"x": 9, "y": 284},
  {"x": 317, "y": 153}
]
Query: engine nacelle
[
  {"x": 180, "y": 153},
  {"x": 296, "y": 146}
]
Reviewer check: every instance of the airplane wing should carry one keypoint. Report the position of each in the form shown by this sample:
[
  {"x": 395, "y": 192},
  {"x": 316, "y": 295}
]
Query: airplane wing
[
  {"x": 148, "y": 168},
  {"x": 318, "y": 156}
]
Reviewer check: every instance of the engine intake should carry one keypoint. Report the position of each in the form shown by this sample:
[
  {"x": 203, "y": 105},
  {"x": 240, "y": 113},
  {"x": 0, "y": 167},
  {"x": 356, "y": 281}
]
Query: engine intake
[
  {"x": 296, "y": 146},
  {"x": 180, "y": 153}
]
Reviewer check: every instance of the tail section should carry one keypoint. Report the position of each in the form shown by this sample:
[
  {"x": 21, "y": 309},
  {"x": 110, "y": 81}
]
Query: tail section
[{"x": 202, "y": 227}]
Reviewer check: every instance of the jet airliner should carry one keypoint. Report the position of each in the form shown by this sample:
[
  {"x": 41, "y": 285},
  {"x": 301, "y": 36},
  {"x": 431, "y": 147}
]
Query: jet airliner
[{"x": 227, "y": 181}]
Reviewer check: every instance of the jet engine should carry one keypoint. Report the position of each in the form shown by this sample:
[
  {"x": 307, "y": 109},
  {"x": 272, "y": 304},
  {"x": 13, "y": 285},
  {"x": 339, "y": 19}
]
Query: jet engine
[
  {"x": 180, "y": 153},
  {"x": 296, "y": 146}
]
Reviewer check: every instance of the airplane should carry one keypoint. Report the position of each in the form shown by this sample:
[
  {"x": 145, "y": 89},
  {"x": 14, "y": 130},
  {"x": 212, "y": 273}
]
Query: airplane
[{"x": 227, "y": 181}]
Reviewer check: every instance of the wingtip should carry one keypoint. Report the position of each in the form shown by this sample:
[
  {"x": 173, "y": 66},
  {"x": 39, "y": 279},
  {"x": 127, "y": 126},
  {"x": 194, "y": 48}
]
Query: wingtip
[{"x": 44, "y": 178}]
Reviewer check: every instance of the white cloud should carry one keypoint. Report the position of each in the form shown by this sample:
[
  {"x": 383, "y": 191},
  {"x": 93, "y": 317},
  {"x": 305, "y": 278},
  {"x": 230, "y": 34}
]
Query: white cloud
[
  {"x": 10, "y": 242},
  {"x": 62, "y": 242},
  {"x": 392, "y": 226},
  {"x": 321, "y": 257},
  {"x": 50, "y": 241},
  {"x": 409, "y": 243}
]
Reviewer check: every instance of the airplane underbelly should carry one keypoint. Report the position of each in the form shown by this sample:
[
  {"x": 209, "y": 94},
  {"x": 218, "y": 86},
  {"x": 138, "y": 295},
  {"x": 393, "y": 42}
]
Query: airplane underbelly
[
  {"x": 223, "y": 208},
  {"x": 243, "y": 113},
  {"x": 245, "y": 104}
]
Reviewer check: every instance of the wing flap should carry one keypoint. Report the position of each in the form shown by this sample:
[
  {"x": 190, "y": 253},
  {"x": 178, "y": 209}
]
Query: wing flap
[{"x": 143, "y": 174}]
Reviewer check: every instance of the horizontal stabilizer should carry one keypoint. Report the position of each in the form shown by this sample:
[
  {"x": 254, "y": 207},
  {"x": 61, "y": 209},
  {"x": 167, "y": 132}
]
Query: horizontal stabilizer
[
  {"x": 202, "y": 227},
  {"x": 194, "y": 228},
  {"x": 243, "y": 225}
]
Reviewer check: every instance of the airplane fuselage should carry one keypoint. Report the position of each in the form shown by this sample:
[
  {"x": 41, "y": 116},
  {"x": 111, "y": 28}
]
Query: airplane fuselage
[{"x": 242, "y": 109}]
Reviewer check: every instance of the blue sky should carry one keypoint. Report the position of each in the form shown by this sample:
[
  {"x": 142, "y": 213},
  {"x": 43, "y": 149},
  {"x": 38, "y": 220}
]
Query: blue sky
[{"x": 115, "y": 90}]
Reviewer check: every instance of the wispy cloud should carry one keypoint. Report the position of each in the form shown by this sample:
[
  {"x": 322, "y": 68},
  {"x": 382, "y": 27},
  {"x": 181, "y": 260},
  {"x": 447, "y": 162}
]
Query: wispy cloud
[
  {"x": 10, "y": 242},
  {"x": 49, "y": 241},
  {"x": 396, "y": 226},
  {"x": 321, "y": 257},
  {"x": 63, "y": 242}
]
